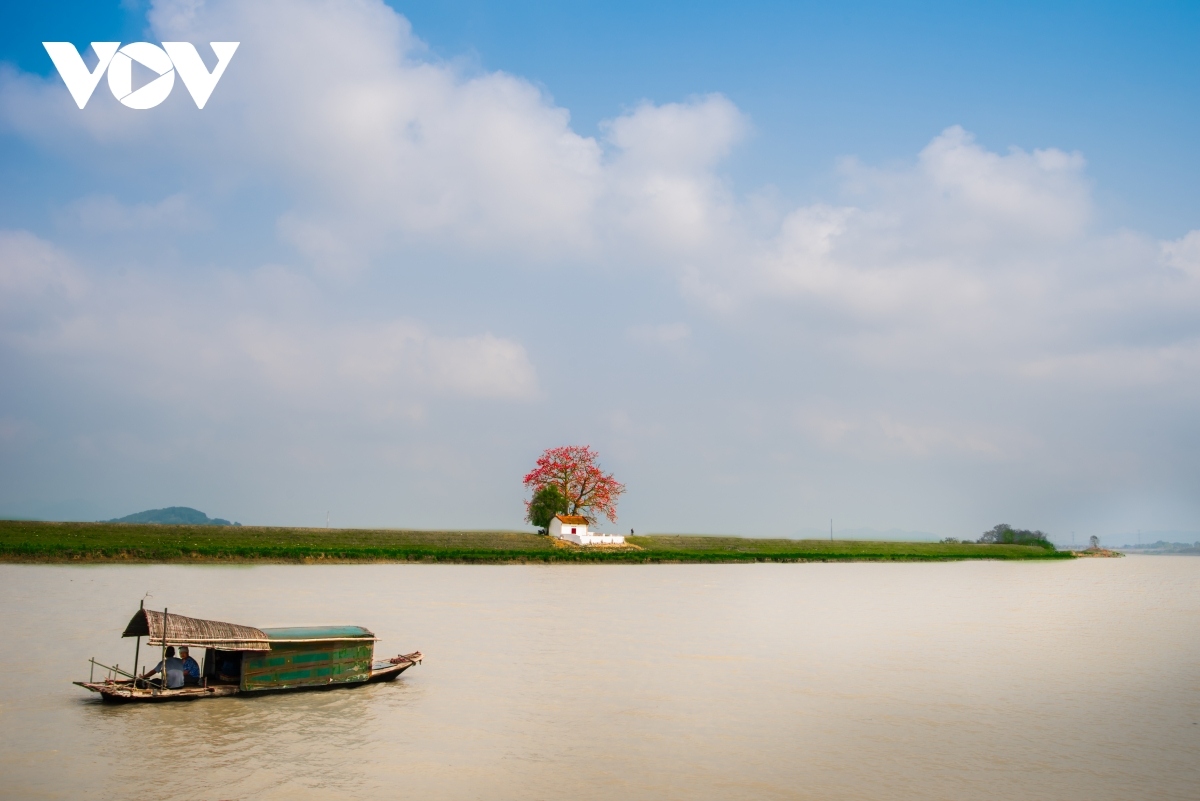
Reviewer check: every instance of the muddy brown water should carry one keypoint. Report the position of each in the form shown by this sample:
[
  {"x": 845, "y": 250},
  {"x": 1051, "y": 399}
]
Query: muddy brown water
[{"x": 955, "y": 681}]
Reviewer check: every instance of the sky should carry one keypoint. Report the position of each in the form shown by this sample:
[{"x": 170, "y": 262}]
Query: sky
[{"x": 922, "y": 267}]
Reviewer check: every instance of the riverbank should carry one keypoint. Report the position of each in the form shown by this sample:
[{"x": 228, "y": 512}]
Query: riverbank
[
  {"x": 30, "y": 541},
  {"x": 1098, "y": 553}
]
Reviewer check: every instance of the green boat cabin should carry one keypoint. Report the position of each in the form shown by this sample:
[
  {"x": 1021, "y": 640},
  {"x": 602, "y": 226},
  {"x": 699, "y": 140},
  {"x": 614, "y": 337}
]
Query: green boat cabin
[{"x": 304, "y": 657}]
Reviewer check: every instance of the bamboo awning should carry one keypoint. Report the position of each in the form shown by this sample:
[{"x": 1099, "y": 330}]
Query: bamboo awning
[{"x": 182, "y": 630}]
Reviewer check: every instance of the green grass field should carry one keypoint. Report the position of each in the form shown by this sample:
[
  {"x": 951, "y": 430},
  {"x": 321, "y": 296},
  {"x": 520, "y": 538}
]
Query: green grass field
[{"x": 27, "y": 541}]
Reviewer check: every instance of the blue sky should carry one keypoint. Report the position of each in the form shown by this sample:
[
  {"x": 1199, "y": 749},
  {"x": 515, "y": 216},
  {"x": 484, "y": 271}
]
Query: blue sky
[{"x": 922, "y": 267}]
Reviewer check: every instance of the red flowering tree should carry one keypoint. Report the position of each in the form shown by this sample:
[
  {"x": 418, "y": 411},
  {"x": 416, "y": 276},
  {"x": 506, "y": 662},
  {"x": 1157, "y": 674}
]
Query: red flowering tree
[{"x": 572, "y": 469}]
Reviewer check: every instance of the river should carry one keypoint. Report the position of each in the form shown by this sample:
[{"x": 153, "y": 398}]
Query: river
[{"x": 963, "y": 680}]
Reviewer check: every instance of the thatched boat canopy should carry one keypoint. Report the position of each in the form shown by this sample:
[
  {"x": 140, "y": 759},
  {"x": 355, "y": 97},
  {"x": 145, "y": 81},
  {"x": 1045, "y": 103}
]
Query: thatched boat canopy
[{"x": 180, "y": 630}]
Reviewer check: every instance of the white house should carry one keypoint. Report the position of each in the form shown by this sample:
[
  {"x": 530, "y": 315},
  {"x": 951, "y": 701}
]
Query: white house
[{"x": 574, "y": 528}]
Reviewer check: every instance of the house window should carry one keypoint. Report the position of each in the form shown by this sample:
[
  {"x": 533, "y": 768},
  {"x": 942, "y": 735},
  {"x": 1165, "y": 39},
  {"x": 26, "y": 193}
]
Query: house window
[{"x": 572, "y": 530}]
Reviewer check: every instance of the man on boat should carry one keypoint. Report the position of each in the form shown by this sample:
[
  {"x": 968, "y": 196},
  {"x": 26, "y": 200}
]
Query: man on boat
[
  {"x": 173, "y": 670},
  {"x": 191, "y": 670}
]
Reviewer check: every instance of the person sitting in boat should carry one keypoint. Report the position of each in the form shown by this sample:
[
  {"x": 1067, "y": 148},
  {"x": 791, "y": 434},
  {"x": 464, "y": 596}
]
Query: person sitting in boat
[
  {"x": 173, "y": 670},
  {"x": 191, "y": 670}
]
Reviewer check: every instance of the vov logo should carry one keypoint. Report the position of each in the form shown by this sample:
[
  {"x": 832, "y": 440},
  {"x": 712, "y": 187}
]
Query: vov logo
[{"x": 165, "y": 61}]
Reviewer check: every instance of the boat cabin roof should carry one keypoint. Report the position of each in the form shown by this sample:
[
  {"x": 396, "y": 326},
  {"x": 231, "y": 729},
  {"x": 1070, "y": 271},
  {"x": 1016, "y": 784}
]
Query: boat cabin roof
[{"x": 318, "y": 633}]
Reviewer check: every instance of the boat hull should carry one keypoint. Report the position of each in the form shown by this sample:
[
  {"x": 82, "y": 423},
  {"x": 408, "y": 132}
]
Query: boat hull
[{"x": 123, "y": 692}]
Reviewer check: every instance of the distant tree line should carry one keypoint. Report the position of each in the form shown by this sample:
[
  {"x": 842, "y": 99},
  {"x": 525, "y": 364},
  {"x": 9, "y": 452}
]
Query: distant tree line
[
  {"x": 1162, "y": 546},
  {"x": 1004, "y": 534}
]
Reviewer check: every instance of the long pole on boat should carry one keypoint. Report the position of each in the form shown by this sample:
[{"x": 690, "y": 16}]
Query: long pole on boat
[
  {"x": 114, "y": 669},
  {"x": 162, "y": 666},
  {"x": 138, "y": 646}
]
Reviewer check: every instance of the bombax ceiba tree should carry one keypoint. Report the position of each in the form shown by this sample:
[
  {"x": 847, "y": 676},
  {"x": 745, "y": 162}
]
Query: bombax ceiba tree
[{"x": 586, "y": 489}]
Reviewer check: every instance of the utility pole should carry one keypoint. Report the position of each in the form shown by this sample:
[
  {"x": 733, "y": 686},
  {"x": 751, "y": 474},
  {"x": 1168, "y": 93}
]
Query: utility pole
[
  {"x": 326, "y": 518},
  {"x": 831, "y": 529}
]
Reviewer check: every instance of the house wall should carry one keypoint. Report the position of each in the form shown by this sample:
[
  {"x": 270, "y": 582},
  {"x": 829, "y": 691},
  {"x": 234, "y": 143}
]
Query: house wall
[
  {"x": 558, "y": 529},
  {"x": 600, "y": 539},
  {"x": 582, "y": 536}
]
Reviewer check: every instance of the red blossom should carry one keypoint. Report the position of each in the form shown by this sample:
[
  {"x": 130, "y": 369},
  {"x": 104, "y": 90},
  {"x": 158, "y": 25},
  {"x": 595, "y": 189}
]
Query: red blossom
[{"x": 572, "y": 468}]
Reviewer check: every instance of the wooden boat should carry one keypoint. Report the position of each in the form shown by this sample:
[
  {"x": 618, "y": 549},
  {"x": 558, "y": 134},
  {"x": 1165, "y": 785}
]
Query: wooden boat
[{"x": 241, "y": 659}]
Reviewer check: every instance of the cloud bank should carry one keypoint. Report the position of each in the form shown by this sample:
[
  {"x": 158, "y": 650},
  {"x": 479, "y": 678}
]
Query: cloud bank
[{"x": 961, "y": 311}]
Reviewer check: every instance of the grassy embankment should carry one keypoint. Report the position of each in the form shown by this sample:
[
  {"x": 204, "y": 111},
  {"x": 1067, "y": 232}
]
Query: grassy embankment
[{"x": 26, "y": 541}]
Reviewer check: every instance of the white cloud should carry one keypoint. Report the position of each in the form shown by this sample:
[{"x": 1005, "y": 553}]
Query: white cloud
[
  {"x": 967, "y": 262},
  {"x": 885, "y": 435},
  {"x": 31, "y": 268},
  {"x": 962, "y": 259},
  {"x": 255, "y": 333},
  {"x": 378, "y": 144},
  {"x": 1039, "y": 194},
  {"x": 1173, "y": 366},
  {"x": 338, "y": 98},
  {"x": 1184, "y": 254},
  {"x": 662, "y": 189},
  {"x": 107, "y": 214},
  {"x": 678, "y": 137},
  {"x": 482, "y": 366},
  {"x": 948, "y": 232}
]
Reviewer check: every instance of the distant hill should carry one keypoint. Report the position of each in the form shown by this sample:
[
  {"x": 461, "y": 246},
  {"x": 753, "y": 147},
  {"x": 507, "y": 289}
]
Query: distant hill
[{"x": 173, "y": 516}]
